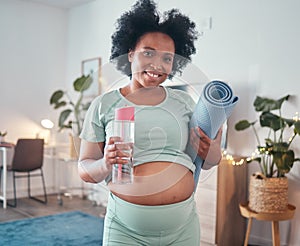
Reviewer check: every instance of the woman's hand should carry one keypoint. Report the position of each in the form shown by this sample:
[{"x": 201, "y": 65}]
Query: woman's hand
[
  {"x": 208, "y": 149},
  {"x": 113, "y": 155},
  {"x": 96, "y": 159}
]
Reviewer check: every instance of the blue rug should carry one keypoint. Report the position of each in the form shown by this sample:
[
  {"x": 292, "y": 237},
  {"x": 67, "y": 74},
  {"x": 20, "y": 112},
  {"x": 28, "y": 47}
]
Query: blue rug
[{"x": 71, "y": 228}]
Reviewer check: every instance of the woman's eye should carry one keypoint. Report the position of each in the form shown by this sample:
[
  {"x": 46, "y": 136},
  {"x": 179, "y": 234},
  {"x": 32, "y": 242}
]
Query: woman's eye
[
  {"x": 148, "y": 53},
  {"x": 168, "y": 59}
]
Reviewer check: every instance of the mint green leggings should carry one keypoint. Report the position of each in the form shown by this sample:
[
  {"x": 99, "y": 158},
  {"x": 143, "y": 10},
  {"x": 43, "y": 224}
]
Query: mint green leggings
[{"x": 137, "y": 225}]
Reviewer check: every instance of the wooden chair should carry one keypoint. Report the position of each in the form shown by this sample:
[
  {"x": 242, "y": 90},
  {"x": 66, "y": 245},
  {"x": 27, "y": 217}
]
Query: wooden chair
[{"x": 28, "y": 157}]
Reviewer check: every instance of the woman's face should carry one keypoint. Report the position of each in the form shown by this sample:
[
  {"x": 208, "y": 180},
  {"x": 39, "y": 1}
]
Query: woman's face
[{"x": 152, "y": 59}]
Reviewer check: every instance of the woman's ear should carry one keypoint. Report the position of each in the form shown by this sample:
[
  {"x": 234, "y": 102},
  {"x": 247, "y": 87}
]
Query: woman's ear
[{"x": 130, "y": 55}]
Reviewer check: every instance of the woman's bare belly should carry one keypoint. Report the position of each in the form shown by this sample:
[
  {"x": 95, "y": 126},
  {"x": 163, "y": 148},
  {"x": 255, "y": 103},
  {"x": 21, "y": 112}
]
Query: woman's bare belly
[{"x": 157, "y": 183}]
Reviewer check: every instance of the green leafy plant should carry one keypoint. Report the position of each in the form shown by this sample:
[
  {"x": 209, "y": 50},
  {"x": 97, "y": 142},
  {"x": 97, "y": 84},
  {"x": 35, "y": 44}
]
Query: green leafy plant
[
  {"x": 274, "y": 156},
  {"x": 72, "y": 115}
]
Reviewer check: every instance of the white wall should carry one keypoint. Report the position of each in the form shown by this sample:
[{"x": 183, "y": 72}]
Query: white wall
[
  {"x": 33, "y": 64},
  {"x": 252, "y": 44}
]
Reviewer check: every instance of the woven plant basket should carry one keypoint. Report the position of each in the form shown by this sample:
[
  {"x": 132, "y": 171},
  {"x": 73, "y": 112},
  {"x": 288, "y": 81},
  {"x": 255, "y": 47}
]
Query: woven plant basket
[{"x": 268, "y": 195}]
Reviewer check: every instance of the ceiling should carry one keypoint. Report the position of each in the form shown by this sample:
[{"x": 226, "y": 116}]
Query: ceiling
[{"x": 65, "y": 4}]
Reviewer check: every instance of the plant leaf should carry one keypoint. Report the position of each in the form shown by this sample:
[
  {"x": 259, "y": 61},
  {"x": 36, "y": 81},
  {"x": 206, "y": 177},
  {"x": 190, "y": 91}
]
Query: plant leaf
[
  {"x": 243, "y": 124},
  {"x": 60, "y": 104},
  {"x": 56, "y": 96},
  {"x": 265, "y": 104},
  {"x": 284, "y": 161},
  {"x": 63, "y": 117},
  {"x": 82, "y": 83},
  {"x": 289, "y": 122},
  {"x": 280, "y": 147},
  {"x": 297, "y": 127},
  {"x": 268, "y": 119}
]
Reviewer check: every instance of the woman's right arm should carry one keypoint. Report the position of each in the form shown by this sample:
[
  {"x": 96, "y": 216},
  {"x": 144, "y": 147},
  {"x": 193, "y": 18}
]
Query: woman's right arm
[
  {"x": 92, "y": 167},
  {"x": 96, "y": 160}
]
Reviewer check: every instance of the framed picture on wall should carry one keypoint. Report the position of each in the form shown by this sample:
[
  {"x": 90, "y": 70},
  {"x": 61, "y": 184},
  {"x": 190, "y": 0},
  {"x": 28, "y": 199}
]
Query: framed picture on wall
[{"x": 92, "y": 67}]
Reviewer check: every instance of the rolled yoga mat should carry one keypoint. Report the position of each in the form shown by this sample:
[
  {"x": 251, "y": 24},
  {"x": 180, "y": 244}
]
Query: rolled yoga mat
[{"x": 213, "y": 108}]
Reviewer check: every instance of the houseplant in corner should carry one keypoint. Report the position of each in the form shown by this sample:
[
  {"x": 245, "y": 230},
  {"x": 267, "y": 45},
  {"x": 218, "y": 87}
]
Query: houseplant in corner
[
  {"x": 72, "y": 114},
  {"x": 268, "y": 189}
]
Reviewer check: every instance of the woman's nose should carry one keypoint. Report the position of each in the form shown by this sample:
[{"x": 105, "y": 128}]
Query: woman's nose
[{"x": 155, "y": 66}]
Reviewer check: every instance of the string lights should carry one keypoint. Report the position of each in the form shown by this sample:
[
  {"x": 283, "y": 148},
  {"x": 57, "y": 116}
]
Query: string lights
[{"x": 231, "y": 159}]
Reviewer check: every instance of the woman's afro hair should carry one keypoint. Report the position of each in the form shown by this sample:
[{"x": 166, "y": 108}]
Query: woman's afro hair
[{"x": 144, "y": 18}]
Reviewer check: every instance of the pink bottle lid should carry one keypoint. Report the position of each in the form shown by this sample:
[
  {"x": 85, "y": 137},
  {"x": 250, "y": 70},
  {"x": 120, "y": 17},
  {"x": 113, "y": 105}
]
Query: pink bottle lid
[{"x": 126, "y": 113}]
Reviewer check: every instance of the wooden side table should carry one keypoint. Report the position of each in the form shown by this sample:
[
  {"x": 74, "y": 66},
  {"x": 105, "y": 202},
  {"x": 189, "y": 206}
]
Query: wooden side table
[{"x": 274, "y": 217}]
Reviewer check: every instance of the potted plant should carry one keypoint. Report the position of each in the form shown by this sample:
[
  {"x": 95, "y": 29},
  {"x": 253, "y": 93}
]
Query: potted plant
[
  {"x": 275, "y": 155},
  {"x": 72, "y": 114}
]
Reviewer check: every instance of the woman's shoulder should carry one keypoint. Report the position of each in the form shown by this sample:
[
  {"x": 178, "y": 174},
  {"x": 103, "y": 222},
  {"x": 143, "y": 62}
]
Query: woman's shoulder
[
  {"x": 106, "y": 97},
  {"x": 181, "y": 95},
  {"x": 105, "y": 100}
]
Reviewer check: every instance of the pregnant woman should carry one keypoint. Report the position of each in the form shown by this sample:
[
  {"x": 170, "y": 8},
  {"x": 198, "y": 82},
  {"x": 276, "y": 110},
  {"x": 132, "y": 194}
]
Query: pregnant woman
[{"x": 158, "y": 208}]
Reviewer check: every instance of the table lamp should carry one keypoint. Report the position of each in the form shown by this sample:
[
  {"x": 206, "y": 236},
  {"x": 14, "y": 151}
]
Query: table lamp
[{"x": 47, "y": 124}]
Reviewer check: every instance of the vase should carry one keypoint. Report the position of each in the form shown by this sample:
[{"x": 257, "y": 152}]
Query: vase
[
  {"x": 2, "y": 139},
  {"x": 74, "y": 146},
  {"x": 268, "y": 195}
]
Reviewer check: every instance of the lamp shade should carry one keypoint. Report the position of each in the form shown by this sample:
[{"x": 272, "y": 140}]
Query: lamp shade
[{"x": 46, "y": 123}]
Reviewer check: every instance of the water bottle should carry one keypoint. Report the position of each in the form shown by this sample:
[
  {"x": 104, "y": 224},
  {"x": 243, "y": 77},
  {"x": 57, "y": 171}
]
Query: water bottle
[{"x": 123, "y": 127}]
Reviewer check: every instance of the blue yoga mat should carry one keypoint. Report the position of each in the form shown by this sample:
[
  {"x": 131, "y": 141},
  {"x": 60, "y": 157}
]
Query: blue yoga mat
[{"x": 213, "y": 108}]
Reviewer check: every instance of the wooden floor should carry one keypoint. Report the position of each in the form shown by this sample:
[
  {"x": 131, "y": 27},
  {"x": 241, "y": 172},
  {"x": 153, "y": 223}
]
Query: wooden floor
[{"x": 28, "y": 208}]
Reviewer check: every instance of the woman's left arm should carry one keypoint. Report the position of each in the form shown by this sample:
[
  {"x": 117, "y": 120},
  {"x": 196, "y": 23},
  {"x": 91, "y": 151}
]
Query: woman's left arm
[{"x": 208, "y": 149}]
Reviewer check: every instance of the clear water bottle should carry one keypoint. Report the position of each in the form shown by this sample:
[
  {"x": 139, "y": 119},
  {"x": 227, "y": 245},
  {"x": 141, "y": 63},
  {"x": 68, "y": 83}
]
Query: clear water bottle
[{"x": 123, "y": 127}]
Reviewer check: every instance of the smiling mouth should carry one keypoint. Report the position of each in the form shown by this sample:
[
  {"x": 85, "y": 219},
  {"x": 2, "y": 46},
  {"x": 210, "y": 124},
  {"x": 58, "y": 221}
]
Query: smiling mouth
[{"x": 153, "y": 74}]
